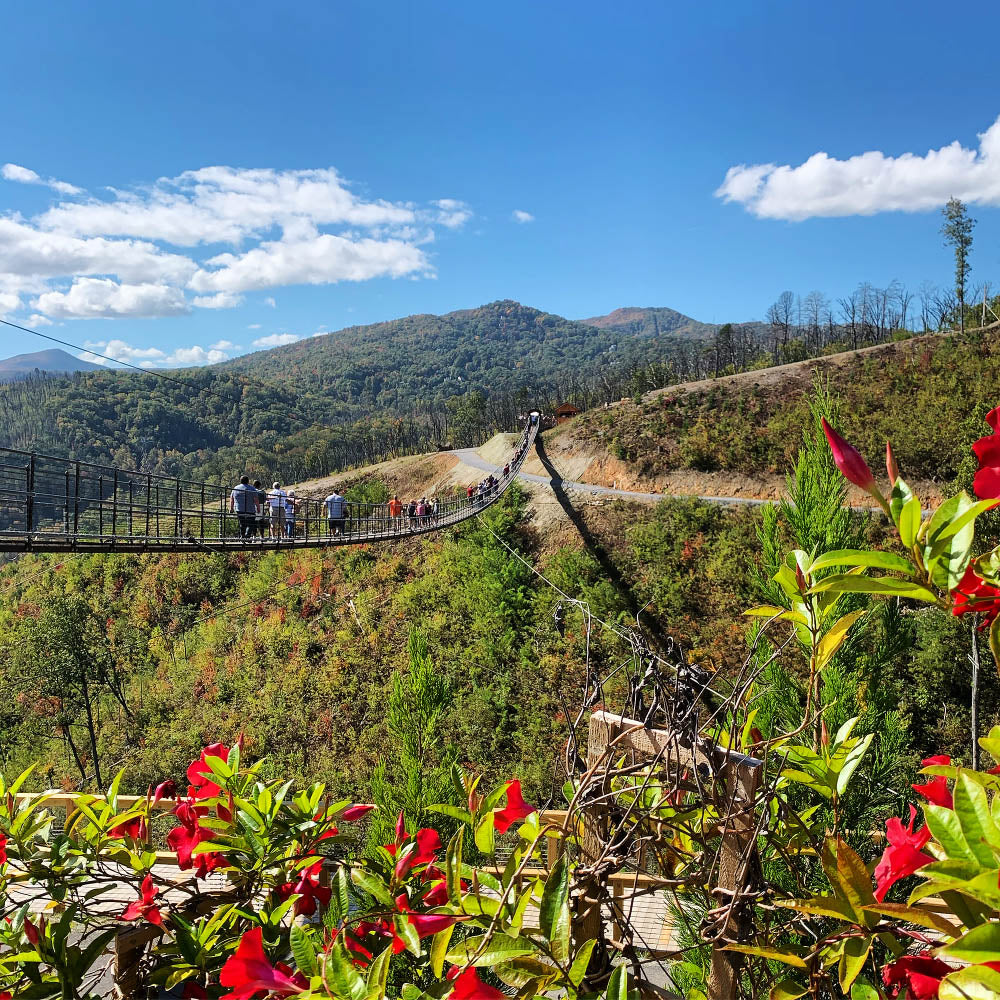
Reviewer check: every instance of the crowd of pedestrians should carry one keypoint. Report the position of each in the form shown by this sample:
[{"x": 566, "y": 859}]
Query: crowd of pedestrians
[{"x": 273, "y": 513}]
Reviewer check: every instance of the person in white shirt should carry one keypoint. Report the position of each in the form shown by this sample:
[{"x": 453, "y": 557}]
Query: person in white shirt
[{"x": 276, "y": 497}]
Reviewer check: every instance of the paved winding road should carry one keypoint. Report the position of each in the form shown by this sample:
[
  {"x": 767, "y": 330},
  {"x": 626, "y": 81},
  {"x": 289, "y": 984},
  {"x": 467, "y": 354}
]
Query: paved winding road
[{"x": 470, "y": 457}]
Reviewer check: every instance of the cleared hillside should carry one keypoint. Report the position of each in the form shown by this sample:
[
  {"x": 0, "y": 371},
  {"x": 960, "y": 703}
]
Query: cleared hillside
[{"x": 738, "y": 435}]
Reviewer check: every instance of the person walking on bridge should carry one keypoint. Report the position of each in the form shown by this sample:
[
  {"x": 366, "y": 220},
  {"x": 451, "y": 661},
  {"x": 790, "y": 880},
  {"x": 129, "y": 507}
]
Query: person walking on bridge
[
  {"x": 395, "y": 513},
  {"x": 335, "y": 513},
  {"x": 276, "y": 498},
  {"x": 262, "y": 509},
  {"x": 244, "y": 503}
]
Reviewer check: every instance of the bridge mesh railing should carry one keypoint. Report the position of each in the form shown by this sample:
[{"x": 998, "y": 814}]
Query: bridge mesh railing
[{"x": 51, "y": 503}]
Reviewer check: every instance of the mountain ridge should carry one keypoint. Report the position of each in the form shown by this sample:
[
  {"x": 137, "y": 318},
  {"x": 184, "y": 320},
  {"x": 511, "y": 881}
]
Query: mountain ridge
[{"x": 52, "y": 361}]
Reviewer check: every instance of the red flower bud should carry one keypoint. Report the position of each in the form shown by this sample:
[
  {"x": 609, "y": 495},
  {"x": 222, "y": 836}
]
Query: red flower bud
[
  {"x": 848, "y": 459},
  {"x": 890, "y": 465}
]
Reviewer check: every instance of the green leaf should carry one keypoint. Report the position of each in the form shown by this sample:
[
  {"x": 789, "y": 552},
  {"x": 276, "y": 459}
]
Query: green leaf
[
  {"x": 853, "y": 956},
  {"x": 484, "y": 834},
  {"x": 617, "y": 984},
  {"x": 499, "y": 948},
  {"x": 781, "y": 614},
  {"x": 553, "y": 911},
  {"x": 439, "y": 948},
  {"x": 373, "y": 885},
  {"x": 835, "y": 637},
  {"x": 864, "y": 557},
  {"x": 978, "y": 828},
  {"x": 914, "y": 915},
  {"x": 342, "y": 975},
  {"x": 909, "y": 522},
  {"x": 378, "y": 975},
  {"x": 772, "y": 954},
  {"x": 851, "y": 762},
  {"x": 579, "y": 967},
  {"x": 407, "y": 933},
  {"x": 948, "y": 541},
  {"x": 885, "y": 586},
  {"x": 946, "y": 828},
  {"x": 303, "y": 950},
  {"x": 788, "y": 989},
  {"x": 855, "y": 882},
  {"x": 864, "y": 991},
  {"x": 453, "y": 866},
  {"x": 975, "y": 982},
  {"x": 455, "y": 812},
  {"x": 981, "y": 944}
]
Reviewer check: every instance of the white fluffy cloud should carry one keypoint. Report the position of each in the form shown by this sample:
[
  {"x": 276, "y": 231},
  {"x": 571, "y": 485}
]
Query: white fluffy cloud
[
  {"x": 102, "y": 298},
  {"x": 519, "y": 215},
  {"x": 152, "y": 357},
  {"x": 221, "y": 300},
  {"x": 869, "y": 182},
  {"x": 202, "y": 239},
  {"x": 9, "y": 301},
  {"x": 22, "y": 175},
  {"x": 320, "y": 261},
  {"x": 451, "y": 213},
  {"x": 277, "y": 339}
]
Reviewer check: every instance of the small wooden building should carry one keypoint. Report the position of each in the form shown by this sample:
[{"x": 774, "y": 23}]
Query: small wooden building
[{"x": 565, "y": 411}]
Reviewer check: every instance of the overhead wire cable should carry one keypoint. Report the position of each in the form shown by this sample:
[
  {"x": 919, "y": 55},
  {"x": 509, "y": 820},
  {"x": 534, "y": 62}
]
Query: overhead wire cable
[{"x": 581, "y": 604}]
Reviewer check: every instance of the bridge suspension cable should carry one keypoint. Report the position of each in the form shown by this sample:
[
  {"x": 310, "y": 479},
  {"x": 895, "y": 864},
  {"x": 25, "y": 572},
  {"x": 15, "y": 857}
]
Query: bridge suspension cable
[{"x": 52, "y": 504}]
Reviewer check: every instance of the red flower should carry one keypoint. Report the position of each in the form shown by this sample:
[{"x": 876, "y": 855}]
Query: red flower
[
  {"x": 144, "y": 906},
  {"x": 936, "y": 790},
  {"x": 3, "y": 849},
  {"x": 307, "y": 889},
  {"x": 421, "y": 851},
  {"x": 986, "y": 483},
  {"x": 903, "y": 856},
  {"x": 165, "y": 790},
  {"x": 134, "y": 828},
  {"x": 33, "y": 933},
  {"x": 359, "y": 954},
  {"x": 5, "y": 996},
  {"x": 516, "y": 809},
  {"x": 468, "y": 986},
  {"x": 973, "y": 595},
  {"x": 185, "y": 838},
  {"x": 920, "y": 974},
  {"x": 195, "y": 991},
  {"x": 352, "y": 813},
  {"x": 848, "y": 459},
  {"x": 203, "y": 784},
  {"x": 892, "y": 470},
  {"x": 249, "y": 972}
]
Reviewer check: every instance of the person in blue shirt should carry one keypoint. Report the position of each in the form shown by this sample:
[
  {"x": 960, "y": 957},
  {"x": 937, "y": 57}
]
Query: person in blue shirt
[{"x": 335, "y": 513}]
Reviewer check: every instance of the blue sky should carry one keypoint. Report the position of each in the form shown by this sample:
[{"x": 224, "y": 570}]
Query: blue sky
[{"x": 186, "y": 175}]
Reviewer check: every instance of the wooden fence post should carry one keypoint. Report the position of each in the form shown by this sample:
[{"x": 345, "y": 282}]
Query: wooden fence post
[
  {"x": 735, "y": 857},
  {"x": 587, "y": 920}
]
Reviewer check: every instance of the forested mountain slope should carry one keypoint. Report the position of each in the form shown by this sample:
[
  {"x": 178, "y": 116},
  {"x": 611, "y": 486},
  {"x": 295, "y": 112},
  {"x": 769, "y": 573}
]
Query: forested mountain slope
[{"x": 351, "y": 397}]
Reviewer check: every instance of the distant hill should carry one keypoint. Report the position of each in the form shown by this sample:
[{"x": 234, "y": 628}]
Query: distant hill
[
  {"x": 55, "y": 362},
  {"x": 495, "y": 348},
  {"x": 636, "y": 321}
]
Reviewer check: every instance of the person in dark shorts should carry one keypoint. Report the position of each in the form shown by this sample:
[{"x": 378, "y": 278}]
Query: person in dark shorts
[
  {"x": 335, "y": 513},
  {"x": 243, "y": 502},
  {"x": 262, "y": 523}
]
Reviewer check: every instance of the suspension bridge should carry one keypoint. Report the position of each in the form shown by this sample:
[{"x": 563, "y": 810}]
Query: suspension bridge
[{"x": 61, "y": 505}]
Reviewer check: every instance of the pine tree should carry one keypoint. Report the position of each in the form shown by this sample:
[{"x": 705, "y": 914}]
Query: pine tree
[{"x": 957, "y": 233}]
